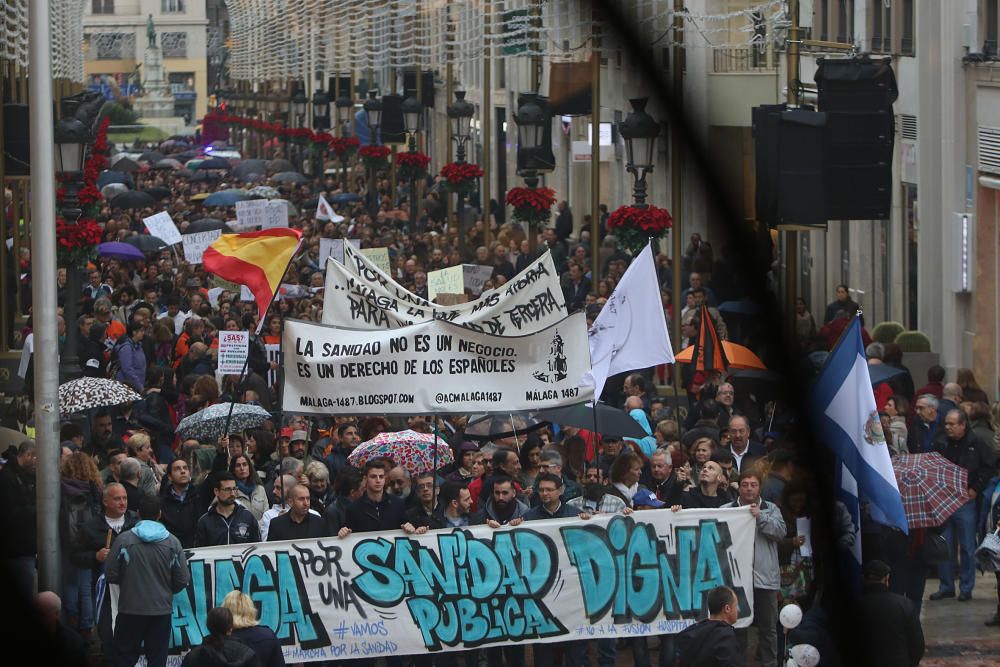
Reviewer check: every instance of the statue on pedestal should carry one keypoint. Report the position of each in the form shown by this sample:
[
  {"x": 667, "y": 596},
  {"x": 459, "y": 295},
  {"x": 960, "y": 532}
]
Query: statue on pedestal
[{"x": 151, "y": 31}]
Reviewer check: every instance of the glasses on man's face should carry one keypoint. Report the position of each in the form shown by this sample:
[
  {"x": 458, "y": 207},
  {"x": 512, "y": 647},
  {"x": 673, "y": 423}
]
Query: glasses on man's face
[{"x": 227, "y": 489}]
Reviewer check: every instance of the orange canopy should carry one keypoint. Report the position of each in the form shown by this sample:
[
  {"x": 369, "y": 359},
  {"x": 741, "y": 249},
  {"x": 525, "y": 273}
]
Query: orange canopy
[{"x": 737, "y": 356}]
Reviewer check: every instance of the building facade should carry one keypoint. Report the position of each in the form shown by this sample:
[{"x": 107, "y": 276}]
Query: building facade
[{"x": 115, "y": 40}]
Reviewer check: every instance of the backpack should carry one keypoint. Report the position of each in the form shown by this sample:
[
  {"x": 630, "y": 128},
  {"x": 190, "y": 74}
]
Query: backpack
[{"x": 78, "y": 510}]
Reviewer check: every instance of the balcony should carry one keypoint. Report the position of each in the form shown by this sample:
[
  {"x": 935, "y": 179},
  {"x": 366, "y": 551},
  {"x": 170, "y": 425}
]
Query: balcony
[{"x": 741, "y": 79}]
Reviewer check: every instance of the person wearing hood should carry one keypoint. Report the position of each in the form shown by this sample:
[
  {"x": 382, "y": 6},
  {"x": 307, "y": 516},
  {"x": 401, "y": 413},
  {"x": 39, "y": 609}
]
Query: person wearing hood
[
  {"x": 219, "y": 649},
  {"x": 646, "y": 445},
  {"x": 503, "y": 507},
  {"x": 149, "y": 566},
  {"x": 712, "y": 641}
]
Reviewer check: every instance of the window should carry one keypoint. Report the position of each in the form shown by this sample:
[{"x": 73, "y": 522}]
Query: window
[
  {"x": 833, "y": 20},
  {"x": 881, "y": 28},
  {"x": 991, "y": 14},
  {"x": 113, "y": 45},
  {"x": 102, "y": 7},
  {"x": 906, "y": 43},
  {"x": 171, "y": 6},
  {"x": 174, "y": 44}
]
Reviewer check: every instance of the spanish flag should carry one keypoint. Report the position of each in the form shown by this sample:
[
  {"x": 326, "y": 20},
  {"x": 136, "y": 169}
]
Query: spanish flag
[{"x": 255, "y": 259}]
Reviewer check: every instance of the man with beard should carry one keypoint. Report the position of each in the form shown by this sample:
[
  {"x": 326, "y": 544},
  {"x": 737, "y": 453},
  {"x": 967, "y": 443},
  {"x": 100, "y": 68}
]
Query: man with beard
[
  {"x": 181, "y": 503},
  {"x": 226, "y": 522},
  {"x": 503, "y": 508},
  {"x": 454, "y": 506},
  {"x": 103, "y": 438},
  {"x": 298, "y": 447},
  {"x": 506, "y": 463},
  {"x": 398, "y": 484}
]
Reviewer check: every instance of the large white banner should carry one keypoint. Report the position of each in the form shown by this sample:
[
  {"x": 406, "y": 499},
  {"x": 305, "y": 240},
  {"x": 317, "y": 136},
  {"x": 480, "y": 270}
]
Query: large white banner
[
  {"x": 360, "y": 296},
  {"x": 432, "y": 367},
  {"x": 372, "y": 595}
]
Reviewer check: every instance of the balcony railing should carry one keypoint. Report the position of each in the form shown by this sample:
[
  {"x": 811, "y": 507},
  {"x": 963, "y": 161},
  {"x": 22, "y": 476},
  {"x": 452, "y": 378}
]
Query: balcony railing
[{"x": 741, "y": 59}]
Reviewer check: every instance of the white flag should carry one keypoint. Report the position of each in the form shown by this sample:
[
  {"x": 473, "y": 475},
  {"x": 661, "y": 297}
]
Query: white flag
[
  {"x": 325, "y": 212},
  {"x": 631, "y": 332}
]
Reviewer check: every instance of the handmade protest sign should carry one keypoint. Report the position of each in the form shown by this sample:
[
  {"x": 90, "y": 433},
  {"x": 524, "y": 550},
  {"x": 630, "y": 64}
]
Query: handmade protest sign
[
  {"x": 445, "y": 281},
  {"x": 358, "y": 295},
  {"x": 334, "y": 248},
  {"x": 250, "y": 214},
  {"x": 195, "y": 244},
  {"x": 370, "y": 595},
  {"x": 275, "y": 214},
  {"x": 162, "y": 226},
  {"x": 379, "y": 257},
  {"x": 234, "y": 346},
  {"x": 431, "y": 367},
  {"x": 475, "y": 276}
]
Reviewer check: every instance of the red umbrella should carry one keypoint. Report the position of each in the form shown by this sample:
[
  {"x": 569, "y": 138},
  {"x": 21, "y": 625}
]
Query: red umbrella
[{"x": 932, "y": 487}]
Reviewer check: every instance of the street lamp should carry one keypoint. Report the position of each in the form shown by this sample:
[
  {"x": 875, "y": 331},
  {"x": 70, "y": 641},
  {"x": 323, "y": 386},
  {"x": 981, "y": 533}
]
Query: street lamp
[
  {"x": 530, "y": 119},
  {"x": 639, "y": 131},
  {"x": 460, "y": 116},
  {"x": 297, "y": 105},
  {"x": 321, "y": 110},
  {"x": 71, "y": 138},
  {"x": 373, "y": 115},
  {"x": 413, "y": 112},
  {"x": 344, "y": 106}
]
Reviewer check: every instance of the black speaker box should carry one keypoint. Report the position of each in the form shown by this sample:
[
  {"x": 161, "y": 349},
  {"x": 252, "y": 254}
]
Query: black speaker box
[
  {"x": 392, "y": 129},
  {"x": 802, "y": 168},
  {"x": 426, "y": 92},
  {"x": 764, "y": 121}
]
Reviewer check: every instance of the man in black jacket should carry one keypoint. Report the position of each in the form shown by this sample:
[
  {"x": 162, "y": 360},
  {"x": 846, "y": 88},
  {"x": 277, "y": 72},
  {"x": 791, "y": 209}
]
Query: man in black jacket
[
  {"x": 226, "y": 521},
  {"x": 376, "y": 510},
  {"x": 964, "y": 449},
  {"x": 94, "y": 540},
  {"x": 712, "y": 642},
  {"x": 887, "y": 625},
  {"x": 181, "y": 503},
  {"x": 298, "y": 522},
  {"x": 18, "y": 516}
]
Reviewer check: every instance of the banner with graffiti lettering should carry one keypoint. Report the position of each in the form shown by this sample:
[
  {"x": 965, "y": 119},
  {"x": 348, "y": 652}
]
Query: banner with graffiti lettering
[
  {"x": 432, "y": 367},
  {"x": 372, "y": 595},
  {"x": 359, "y": 295}
]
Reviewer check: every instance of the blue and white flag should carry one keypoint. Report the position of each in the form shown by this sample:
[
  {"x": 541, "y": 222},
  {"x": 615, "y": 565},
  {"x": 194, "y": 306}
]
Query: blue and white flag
[
  {"x": 847, "y": 494},
  {"x": 848, "y": 423}
]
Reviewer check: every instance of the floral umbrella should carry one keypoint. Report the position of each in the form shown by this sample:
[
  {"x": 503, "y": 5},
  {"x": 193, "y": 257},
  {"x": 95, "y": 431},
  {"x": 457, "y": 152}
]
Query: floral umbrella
[
  {"x": 88, "y": 393},
  {"x": 409, "y": 449}
]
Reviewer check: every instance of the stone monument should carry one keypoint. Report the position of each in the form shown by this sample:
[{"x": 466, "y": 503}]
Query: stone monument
[{"x": 157, "y": 101}]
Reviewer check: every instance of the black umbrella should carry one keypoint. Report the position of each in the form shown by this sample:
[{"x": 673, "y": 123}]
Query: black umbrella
[
  {"x": 247, "y": 167},
  {"x": 497, "y": 427},
  {"x": 151, "y": 156},
  {"x": 204, "y": 176},
  {"x": 609, "y": 420},
  {"x": 132, "y": 199},
  {"x": 125, "y": 164},
  {"x": 157, "y": 192},
  {"x": 146, "y": 243},
  {"x": 183, "y": 173},
  {"x": 109, "y": 177},
  {"x": 185, "y": 155},
  {"x": 280, "y": 164},
  {"x": 213, "y": 163},
  {"x": 207, "y": 225},
  {"x": 290, "y": 177}
]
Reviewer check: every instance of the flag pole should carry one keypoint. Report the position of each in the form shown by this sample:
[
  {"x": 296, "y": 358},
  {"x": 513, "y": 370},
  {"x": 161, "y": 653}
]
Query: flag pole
[{"x": 246, "y": 365}]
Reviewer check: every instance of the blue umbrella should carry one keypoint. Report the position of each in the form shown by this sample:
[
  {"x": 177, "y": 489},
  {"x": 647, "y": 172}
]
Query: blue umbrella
[
  {"x": 225, "y": 198},
  {"x": 123, "y": 251},
  {"x": 214, "y": 163},
  {"x": 741, "y": 307},
  {"x": 109, "y": 177},
  {"x": 345, "y": 198}
]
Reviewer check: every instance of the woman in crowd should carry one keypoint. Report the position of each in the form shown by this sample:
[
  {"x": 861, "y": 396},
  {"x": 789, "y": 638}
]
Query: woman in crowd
[
  {"x": 81, "y": 500},
  {"x": 249, "y": 491},
  {"x": 248, "y": 630}
]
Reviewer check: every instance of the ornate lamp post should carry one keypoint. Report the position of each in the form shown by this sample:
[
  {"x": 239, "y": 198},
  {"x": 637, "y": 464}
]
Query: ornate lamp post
[
  {"x": 71, "y": 139},
  {"x": 413, "y": 113},
  {"x": 345, "y": 107},
  {"x": 530, "y": 119},
  {"x": 639, "y": 131},
  {"x": 460, "y": 116},
  {"x": 321, "y": 123},
  {"x": 373, "y": 114}
]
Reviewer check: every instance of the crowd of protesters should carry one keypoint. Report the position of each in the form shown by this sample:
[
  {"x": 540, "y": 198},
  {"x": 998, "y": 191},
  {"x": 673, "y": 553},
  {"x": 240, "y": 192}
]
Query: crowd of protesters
[{"x": 154, "y": 326}]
